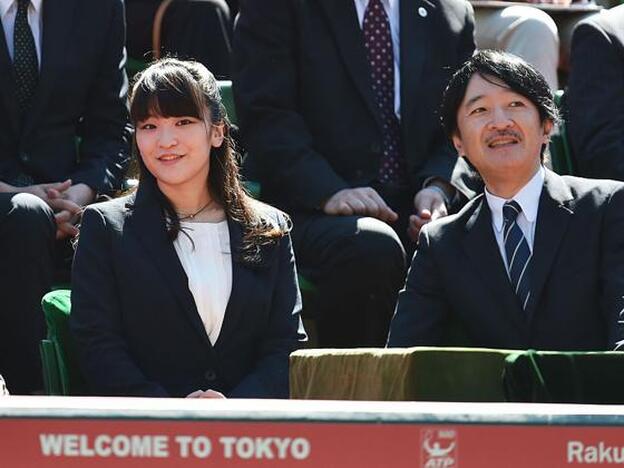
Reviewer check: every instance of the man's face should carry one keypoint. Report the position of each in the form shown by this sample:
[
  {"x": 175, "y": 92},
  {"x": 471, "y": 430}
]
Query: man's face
[{"x": 500, "y": 132}]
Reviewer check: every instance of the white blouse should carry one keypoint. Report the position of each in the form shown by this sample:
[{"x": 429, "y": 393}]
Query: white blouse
[{"x": 208, "y": 266}]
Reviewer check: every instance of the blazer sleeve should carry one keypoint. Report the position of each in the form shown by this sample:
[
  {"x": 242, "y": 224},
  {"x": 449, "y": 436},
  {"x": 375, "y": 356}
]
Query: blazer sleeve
[
  {"x": 284, "y": 334},
  {"x": 266, "y": 94},
  {"x": 422, "y": 311},
  {"x": 105, "y": 128},
  {"x": 595, "y": 101},
  {"x": 95, "y": 319},
  {"x": 612, "y": 268}
]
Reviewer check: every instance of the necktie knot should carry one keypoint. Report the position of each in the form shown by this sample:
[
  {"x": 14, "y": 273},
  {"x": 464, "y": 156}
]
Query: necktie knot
[
  {"x": 511, "y": 210},
  {"x": 22, "y": 5}
]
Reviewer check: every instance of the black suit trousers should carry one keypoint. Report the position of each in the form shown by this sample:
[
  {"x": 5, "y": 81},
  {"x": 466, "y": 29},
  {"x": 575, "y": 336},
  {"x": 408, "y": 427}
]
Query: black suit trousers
[{"x": 27, "y": 232}]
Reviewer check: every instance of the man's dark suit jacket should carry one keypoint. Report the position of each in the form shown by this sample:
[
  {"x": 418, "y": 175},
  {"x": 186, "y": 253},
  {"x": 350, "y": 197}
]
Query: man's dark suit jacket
[
  {"x": 304, "y": 99},
  {"x": 458, "y": 277},
  {"x": 78, "y": 125},
  {"x": 136, "y": 323},
  {"x": 595, "y": 95}
]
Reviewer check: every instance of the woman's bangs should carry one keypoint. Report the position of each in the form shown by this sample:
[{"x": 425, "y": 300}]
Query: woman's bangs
[{"x": 162, "y": 100}]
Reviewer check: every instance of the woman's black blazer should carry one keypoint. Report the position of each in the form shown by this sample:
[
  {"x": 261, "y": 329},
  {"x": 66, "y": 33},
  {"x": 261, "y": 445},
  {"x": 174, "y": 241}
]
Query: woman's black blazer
[{"x": 135, "y": 322}]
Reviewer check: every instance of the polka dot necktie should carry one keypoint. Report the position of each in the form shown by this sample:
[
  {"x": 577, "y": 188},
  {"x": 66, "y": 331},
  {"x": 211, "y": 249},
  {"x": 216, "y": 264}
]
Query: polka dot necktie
[
  {"x": 517, "y": 252},
  {"x": 25, "y": 63},
  {"x": 378, "y": 43}
]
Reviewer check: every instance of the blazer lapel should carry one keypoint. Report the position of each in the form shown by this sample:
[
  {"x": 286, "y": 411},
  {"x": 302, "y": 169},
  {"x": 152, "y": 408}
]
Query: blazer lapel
[
  {"x": 57, "y": 15},
  {"x": 244, "y": 283},
  {"x": 342, "y": 17},
  {"x": 148, "y": 224},
  {"x": 552, "y": 222},
  {"x": 414, "y": 34},
  {"x": 8, "y": 84},
  {"x": 481, "y": 247}
]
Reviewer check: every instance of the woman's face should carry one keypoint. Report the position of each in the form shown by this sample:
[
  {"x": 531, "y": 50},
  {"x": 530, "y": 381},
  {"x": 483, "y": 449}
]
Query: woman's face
[{"x": 176, "y": 150}]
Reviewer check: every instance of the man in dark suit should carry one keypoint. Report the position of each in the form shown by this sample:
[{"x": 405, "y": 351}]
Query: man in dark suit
[
  {"x": 64, "y": 138},
  {"x": 595, "y": 95},
  {"x": 337, "y": 101},
  {"x": 537, "y": 260}
]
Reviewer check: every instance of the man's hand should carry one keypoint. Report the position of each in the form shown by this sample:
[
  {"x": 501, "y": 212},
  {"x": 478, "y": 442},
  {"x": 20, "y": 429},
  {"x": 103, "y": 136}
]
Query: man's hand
[
  {"x": 80, "y": 194},
  {"x": 429, "y": 204},
  {"x": 206, "y": 394},
  {"x": 67, "y": 206},
  {"x": 66, "y": 214},
  {"x": 40, "y": 190},
  {"x": 363, "y": 201}
]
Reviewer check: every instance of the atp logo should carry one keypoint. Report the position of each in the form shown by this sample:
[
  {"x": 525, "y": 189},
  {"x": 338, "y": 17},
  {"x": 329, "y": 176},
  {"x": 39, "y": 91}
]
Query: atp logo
[{"x": 438, "y": 448}]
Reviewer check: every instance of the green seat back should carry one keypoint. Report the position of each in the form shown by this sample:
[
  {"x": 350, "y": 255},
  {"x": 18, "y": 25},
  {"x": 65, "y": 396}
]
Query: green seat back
[
  {"x": 56, "y": 308},
  {"x": 565, "y": 377},
  {"x": 227, "y": 97},
  {"x": 560, "y": 152},
  {"x": 134, "y": 66},
  {"x": 50, "y": 368}
]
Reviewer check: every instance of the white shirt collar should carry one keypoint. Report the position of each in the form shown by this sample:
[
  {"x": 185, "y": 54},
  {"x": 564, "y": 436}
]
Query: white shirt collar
[
  {"x": 6, "y": 4},
  {"x": 528, "y": 199}
]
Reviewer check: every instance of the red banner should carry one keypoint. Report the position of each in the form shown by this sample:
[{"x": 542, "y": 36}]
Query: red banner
[{"x": 84, "y": 443}]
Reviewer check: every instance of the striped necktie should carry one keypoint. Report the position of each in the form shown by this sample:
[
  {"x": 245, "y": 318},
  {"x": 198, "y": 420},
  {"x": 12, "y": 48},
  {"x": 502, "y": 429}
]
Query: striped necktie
[
  {"x": 25, "y": 62},
  {"x": 517, "y": 252}
]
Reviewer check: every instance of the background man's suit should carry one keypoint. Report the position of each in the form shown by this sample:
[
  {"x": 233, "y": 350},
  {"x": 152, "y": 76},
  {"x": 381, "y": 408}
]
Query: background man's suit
[
  {"x": 136, "y": 322},
  {"x": 577, "y": 281},
  {"x": 595, "y": 95},
  {"x": 312, "y": 127},
  {"x": 77, "y": 127}
]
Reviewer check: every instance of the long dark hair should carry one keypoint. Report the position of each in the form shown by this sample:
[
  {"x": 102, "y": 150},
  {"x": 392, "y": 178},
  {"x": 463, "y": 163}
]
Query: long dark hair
[{"x": 175, "y": 88}]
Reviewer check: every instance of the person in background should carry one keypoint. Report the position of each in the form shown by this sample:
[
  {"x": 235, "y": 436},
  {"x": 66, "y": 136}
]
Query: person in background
[
  {"x": 522, "y": 30},
  {"x": 65, "y": 138},
  {"x": 337, "y": 102},
  {"x": 595, "y": 95}
]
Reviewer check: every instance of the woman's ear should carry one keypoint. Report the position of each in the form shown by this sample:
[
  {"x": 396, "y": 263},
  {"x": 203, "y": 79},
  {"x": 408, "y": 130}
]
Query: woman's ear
[{"x": 217, "y": 135}]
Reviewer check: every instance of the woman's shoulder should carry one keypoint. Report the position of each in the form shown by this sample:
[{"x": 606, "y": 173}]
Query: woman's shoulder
[
  {"x": 271, "y": 215},
  {"x": 111, "y": 212}
]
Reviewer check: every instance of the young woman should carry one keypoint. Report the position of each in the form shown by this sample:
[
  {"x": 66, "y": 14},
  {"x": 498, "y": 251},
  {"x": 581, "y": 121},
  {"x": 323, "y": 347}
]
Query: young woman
[{"x": 187, "y": 287}]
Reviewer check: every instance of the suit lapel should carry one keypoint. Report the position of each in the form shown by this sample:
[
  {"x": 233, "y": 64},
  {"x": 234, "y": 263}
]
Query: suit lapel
[
  {"x": 148, "y": 224},
  {"x": 57, "y": 15},
  {"x": 8, "y": 84},
  {"x": 244, "y": 282},
  {"x": 552, "y": 222},
  {"x": 481, "y": 247},
  {"x": 414, "y": 34},
  {"x": 342, "y": 17}
]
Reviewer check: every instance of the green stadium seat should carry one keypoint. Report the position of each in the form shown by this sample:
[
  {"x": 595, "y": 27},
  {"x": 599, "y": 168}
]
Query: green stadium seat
[
  {"x": 564, "y": 377},
  {"x": 227, "y": 97},
  {"x": 61, "y": 372},
  {"x": 559, "y": 148}
]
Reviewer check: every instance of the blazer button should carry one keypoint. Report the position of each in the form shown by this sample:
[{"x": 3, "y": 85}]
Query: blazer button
[
  {"x": 24, "y": 157},
  {"x": 210, "y": 375}
]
